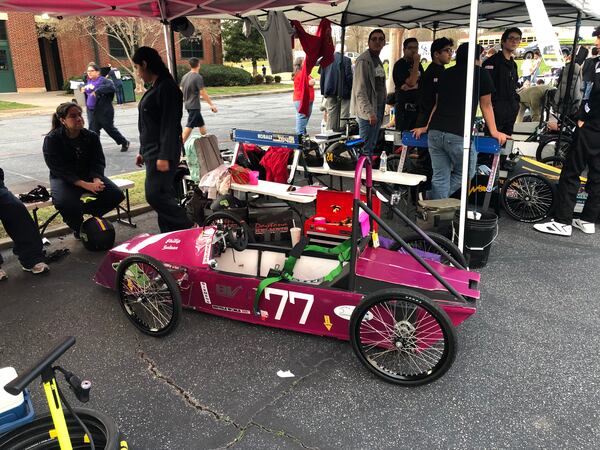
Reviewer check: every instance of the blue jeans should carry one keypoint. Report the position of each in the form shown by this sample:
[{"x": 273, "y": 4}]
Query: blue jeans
[
  {"x": 446, "y": 151},
  {"x": 370, "y": 133},
  {"x": 301, "y": 119}
]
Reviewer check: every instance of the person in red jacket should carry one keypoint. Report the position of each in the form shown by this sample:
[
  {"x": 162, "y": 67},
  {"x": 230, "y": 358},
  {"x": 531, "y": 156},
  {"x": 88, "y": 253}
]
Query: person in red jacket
[{"x": 302, "y": 119}]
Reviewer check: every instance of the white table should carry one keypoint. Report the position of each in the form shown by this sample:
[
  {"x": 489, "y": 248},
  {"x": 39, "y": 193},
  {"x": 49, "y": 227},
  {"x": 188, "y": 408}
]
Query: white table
[
  {"x": 389, "y": 177},
  {"x": 277, "y": 190}
]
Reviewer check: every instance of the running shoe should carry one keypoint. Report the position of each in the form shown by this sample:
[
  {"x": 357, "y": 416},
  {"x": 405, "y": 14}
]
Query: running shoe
[
  {"x": 586, "y": 227},
  {"x": 552, "y": 227},
  {"x": 39, "y": 268}
]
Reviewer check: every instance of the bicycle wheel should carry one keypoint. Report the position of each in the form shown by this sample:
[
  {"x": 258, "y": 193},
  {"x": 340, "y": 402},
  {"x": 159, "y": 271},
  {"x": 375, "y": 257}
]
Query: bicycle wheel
[
  {"x": 36, "y": 435},
  {"x": 415, "y": 240},
  {"x": 403, "y": 337},
  {"x": 527, "y": 197},
  {"x": 548, "y": 148},
  {"x": 554, "y": 161},
  {"x": 149, "y": 295}
]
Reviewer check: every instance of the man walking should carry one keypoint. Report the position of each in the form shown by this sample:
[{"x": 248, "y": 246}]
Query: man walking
[
  {"x": 192, "y": 85},
  {"x": 367, "y": 102},
  {"x": 585, "y": 152},
  {"x": 503, "y": 70}
]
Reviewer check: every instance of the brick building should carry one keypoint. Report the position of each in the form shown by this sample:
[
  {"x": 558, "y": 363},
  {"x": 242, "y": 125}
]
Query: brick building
[{"x": 29, "y": 63}]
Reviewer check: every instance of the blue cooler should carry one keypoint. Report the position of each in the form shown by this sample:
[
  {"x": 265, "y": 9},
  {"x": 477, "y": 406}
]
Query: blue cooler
[{"x": 15, "y": 410}]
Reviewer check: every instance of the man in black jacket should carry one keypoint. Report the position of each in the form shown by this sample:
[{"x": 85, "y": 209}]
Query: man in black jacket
[
  {"x": 23, "y": 231},
  {"x": 503, "y": 70},
  {"x": 406, "y": 74},
  {"x": 76, "y": 162},
  {"x": 585, "y": 151},
  {"x": 587, "y": 73}
]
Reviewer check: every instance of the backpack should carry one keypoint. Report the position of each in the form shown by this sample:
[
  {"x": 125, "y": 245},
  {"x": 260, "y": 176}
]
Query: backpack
[
  {"x": 576, "y": 94},
  {"x": 203, "y": 155}
]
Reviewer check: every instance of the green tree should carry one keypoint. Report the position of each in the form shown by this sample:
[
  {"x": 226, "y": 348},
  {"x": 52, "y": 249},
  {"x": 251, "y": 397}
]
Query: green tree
[{"x": 238, "y": 47}]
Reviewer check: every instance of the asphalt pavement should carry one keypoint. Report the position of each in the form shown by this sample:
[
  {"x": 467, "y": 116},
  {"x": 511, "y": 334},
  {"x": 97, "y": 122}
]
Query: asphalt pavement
[
  {"x": 526, "y": 373},
  {"x": 22, "y": 137}
]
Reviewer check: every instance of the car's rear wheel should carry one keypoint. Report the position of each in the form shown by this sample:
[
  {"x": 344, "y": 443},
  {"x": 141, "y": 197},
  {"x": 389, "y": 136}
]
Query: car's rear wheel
[{"x": 527, "y": 197}]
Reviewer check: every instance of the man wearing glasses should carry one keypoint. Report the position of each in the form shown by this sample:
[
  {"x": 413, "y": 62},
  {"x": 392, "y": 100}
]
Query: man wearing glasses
[
  {"x": 503, "y": 70},
  {"x": 407, "y": 72},
  {"x": 368, "y": 91}
]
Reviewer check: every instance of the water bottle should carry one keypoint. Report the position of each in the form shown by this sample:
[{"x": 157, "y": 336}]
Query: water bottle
[
  {"x": 323, "y": 126},
  {"x": 383, "y": 162}
]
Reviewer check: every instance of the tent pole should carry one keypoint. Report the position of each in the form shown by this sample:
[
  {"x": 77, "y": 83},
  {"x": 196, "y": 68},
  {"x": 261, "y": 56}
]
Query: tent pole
[
  {"x": 565, "y": 110},
  {"x": 173, "y": 54},
  {"x": 167, "y": 36},
  {"x": 468, "y": 121},
  {"x": 436, "y": 24},
  {"x": 342, "y": 74}
]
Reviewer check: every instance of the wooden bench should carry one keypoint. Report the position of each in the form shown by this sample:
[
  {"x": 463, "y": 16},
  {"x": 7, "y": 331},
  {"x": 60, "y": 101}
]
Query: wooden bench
[{"x": 123, "y": 212}]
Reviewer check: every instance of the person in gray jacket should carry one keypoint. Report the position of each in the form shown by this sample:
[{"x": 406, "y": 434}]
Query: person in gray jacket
[{"x": 368, "y": 91}]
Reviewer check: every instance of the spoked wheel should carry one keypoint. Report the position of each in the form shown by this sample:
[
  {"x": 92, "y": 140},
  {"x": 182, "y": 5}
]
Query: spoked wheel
[
  {"x": 527, "y": 197},
  {"x": 403, "y": 337},
  {"x": 149, "y": 295},
  {"x": 554, "y": 161},
  {"x": 417, "y": 241},
  {"x": 238, "y": 231},
  {"x": 548, "y": 148},
  {"x": 39, "y": 434}
]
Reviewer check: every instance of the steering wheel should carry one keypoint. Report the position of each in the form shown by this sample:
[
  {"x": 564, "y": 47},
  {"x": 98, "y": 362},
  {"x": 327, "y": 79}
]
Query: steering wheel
[{"x": 236, "y": 232}]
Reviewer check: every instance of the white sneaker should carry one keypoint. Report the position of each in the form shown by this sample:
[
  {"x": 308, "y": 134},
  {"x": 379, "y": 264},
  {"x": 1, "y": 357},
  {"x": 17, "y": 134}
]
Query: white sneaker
[
  {"x": 553, "y": 227},
  {"x": 3, "y": 275},
  {"x": 39, "y": 268},
  {"x": 586, "y": 227}
]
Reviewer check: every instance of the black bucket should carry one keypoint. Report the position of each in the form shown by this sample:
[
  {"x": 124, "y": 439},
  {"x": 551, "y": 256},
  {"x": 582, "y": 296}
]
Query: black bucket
[{"x": 479, "y": 236}]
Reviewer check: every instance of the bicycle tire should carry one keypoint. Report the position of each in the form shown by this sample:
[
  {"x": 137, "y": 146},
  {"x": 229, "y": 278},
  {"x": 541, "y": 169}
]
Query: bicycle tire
[
  {"x": 415, "y": 240},
  {"x": 162, "y": 315},
  {"x": 35, "y": 435},
  {"x": 544, "y": 150},
  {"x": 518, "y": 199},
  {"x": 554, "y": 161},
  {"x": 418, "y": 335}
]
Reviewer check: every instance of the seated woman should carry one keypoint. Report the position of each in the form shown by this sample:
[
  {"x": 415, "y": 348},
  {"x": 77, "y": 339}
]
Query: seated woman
[{"x": 76, "y": 161}]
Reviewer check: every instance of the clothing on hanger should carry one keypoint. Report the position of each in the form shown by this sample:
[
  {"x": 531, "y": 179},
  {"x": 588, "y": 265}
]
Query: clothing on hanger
[{"x": 277, "y": 33}]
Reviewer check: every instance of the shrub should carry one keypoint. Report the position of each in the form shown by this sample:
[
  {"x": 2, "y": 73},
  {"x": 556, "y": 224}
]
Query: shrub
[
  {"x": 258, "y": 79},
  {"x": 269, "y": 79},
  {"x": 218, "y": 75},
  {"x": 277, "y": 79},
  {"x": 67, "y": 84}
]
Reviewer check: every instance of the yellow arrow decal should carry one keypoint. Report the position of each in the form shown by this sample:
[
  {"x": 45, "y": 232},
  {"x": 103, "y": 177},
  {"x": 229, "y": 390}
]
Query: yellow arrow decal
[{"x": 327, "y": 322}]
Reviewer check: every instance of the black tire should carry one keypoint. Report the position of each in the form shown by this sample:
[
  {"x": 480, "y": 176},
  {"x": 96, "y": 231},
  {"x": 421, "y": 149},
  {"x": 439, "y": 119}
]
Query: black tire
[
  {"x": 547, "y": 148},
  {"x": 35, "y": 435},
  {"x": 415, "y": 240},
  {"x": 238, "y": 231},
  {"x": 527, "y": 197},
  {"x": 408, "y": 356},
  {"x": 155, "y": 307},
  {"x": 554, "y": 161}
]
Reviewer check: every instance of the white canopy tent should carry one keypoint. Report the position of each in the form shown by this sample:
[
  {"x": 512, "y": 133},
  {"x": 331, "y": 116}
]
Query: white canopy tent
[{"x": 432, "y": 14}]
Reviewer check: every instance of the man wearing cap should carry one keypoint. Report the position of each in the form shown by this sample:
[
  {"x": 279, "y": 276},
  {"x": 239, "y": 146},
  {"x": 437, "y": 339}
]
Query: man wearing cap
[{"x": 584, "y": 152}]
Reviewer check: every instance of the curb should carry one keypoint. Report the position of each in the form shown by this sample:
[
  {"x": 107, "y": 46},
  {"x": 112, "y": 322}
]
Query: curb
[
  {"x": 64, "y": 229},
  {"x": 44, "y": 110}
]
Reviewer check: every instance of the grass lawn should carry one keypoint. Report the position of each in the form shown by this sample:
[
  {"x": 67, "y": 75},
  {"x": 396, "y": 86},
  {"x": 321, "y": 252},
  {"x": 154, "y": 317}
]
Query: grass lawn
[
  {"x": 6, "y": 106},
  {"x": 136, "y": 196},
  {"x": 247, "y": 66},
  {"x": 221, "y": 90}
]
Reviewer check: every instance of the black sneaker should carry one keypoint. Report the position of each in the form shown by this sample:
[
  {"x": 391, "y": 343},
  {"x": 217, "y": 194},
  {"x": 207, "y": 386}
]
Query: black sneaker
[{"x": 125, "y": 146}]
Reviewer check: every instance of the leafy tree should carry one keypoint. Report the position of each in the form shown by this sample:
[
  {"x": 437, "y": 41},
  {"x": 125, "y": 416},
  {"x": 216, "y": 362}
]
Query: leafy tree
[{"x": 238, "y": 47}]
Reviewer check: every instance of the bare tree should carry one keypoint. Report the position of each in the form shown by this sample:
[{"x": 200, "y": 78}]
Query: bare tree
[{"x": 130, "y": 32}]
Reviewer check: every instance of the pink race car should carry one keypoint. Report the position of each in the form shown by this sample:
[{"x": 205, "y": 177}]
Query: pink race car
[{"x": 398, "y": 310}]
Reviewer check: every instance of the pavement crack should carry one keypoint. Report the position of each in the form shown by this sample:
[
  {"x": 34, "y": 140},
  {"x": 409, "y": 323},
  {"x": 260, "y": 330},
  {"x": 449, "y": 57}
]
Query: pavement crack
[{"x": 186, "y": 396}]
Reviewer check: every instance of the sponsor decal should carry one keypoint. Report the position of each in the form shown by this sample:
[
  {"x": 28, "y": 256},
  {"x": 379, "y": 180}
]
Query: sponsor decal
[
  {"x": 227, "y": 291},
  {"x": 228, "y": 309},
  {"x": 345, "y": 312},
  {"x": 205, "y": 293}
]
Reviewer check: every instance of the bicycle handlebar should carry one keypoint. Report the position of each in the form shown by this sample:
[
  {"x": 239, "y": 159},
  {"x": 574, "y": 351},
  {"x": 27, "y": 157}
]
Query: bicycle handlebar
[{"x": 16, "y": 386}]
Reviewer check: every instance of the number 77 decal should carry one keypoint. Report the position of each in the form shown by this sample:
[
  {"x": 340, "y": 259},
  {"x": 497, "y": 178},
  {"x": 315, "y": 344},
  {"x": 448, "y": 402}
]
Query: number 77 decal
[{"x": 292, "y": 297}]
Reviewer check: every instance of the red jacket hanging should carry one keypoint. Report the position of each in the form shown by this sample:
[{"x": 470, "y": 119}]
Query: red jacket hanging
[
  {"x": 275, "y": 163},
  {"x": 315, "y": 47}
]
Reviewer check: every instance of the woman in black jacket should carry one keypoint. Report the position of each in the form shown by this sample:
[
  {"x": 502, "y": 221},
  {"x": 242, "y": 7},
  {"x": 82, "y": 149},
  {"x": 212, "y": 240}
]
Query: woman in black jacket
[
  {"x": 76, "y": 161},
  {"x": 159, "y": 124}
]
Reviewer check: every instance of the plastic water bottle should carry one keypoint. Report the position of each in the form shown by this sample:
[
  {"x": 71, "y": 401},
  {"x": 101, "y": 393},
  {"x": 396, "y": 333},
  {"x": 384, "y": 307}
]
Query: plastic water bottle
[{"x": 383, "y": 162}]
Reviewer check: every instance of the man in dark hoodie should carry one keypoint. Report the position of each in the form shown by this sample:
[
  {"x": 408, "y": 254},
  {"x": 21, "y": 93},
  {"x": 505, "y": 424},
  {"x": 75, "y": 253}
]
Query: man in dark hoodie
[{"x": 585, "y": 151}]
